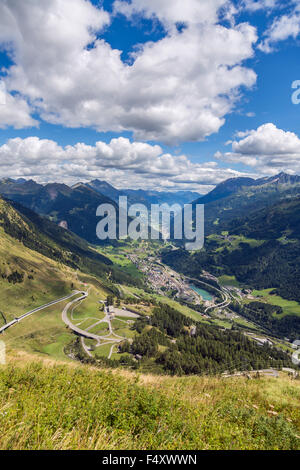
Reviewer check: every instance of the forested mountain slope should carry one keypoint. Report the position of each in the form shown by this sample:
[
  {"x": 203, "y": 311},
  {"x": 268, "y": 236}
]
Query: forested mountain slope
[
  {"x": 73, "y": 208},
  {"x": 262, "y": 251},
  {"x": 242, "y": 196}
]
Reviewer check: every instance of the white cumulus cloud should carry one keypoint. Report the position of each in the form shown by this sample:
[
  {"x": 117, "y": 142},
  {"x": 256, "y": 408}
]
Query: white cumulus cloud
[
  {"x": 283, "y": 27},
  {"x": 268, "y": 149},
  {"x": 255, "y": 5},
  {"x": 123, "y": 163},
  {"x": 15, "y": 112},
  {"x": 179, "y": 88},
  {"x": 170, "y": 13}
]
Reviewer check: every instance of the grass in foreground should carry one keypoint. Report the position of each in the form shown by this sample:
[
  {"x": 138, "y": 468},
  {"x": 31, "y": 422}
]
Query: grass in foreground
[{"x": 57, "y": 406}]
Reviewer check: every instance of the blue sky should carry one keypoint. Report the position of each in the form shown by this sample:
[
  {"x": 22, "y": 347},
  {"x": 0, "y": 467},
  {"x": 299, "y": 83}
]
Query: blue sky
[{"x": 247, "y": 125}]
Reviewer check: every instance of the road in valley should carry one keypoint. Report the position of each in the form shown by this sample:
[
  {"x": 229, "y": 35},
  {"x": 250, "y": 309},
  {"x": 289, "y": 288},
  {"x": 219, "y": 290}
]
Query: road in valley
[{"x": 251, "y": 373}]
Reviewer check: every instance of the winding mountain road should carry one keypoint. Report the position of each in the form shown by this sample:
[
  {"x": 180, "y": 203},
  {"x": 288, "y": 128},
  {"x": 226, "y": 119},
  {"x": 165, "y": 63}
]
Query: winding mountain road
[
  {"x": 67, "y": 321},
  {"x": 38, "y": 309},
  {"x": 112, "y": 338}
]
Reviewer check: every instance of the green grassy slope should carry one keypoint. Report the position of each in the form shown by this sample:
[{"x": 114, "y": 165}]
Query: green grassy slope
[
  {"x": 45, "y": 406},
  {"x": 41, "y": 255},
  {"x": 289, "y": 307},
  {"x": 37, "y": 264},
  {"x": 39, "y": 234},
  {"x": 44, "y": 279},
  {"x": 43, "y": 333}
]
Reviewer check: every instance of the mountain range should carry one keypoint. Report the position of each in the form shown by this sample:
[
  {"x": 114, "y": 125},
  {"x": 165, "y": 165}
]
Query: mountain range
[
  {"x": 234, "y": 185},
  {"x": 238, "y": 197},
  {"x": 140, "y": 196},
  {"x": 74, "y": 208}
]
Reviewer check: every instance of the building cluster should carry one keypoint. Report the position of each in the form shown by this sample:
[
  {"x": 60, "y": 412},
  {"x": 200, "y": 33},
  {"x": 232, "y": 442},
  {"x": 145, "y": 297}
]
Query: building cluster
[{"x": 162, "y": 280}]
